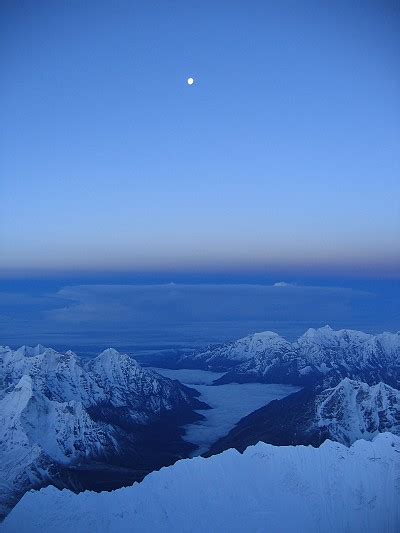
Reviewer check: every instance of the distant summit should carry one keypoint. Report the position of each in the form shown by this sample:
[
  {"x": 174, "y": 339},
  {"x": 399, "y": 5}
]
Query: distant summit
[{"x": 319, "y": 354}]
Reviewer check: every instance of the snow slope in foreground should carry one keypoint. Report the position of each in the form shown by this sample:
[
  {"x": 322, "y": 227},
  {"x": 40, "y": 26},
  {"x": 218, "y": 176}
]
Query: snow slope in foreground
[{"x": 272, "y": 489}]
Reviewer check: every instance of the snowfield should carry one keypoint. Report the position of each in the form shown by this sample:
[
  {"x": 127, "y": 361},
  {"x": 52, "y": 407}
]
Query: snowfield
[{"x": 294, "y": 489}]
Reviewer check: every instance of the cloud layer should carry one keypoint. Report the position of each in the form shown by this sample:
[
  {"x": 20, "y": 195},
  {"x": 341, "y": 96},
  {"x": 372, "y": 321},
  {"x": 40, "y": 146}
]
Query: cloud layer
[{"x": 146, "y": 316}]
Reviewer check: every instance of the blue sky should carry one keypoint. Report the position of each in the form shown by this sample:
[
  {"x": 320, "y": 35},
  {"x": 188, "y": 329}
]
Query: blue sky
[
  {"x": 280, "y": 163},
  {"x": 282, "y": 159}
]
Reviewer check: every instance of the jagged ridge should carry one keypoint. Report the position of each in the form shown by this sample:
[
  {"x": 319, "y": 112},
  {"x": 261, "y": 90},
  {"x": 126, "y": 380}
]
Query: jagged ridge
[
  {"x": 61, "y": 416},
  {"x": 332, "y": 487},
  {"x": 319, "y": 354}
]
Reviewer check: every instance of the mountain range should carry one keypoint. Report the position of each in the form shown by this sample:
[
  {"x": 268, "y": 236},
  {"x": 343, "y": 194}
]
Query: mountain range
[
  {"x": 350, "y": 385},
  {"x": 319, "y": 355},
  {"x": 105, "y": 422},
  {"x": 85, "y": 424}
]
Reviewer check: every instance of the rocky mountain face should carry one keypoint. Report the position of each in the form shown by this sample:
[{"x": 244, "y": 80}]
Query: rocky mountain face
[
  {"x": 94, "y": 424},
  {"x": 318, "y": 355},
  {"x": 349, "y": 411},
  {"x": 295, "y": 489}
]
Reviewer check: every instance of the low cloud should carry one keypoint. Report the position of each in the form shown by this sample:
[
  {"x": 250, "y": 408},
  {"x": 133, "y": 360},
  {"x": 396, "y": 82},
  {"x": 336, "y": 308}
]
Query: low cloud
[
  {"x": 177, "y": 304},
  {"x": 178, "y": 314},
  {"x": 202, "y": 310}
]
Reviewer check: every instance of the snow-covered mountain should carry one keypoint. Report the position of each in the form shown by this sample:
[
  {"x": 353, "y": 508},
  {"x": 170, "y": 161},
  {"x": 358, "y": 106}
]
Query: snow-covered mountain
[
  {"x": 224, "y": 357},
  {"x": 349, "y": 411},
  {"x": 328, "y": 489},
  {"x": 354, "y": 410},
  {"x": 319, "y": 354},
  {"x": 67, "y": 421}
]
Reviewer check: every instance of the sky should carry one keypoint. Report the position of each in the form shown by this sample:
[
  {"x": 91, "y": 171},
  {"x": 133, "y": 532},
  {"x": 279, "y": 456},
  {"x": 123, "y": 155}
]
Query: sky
[
  {"x": 282, "y": 158},
  {"x": 140, "y": 212}
]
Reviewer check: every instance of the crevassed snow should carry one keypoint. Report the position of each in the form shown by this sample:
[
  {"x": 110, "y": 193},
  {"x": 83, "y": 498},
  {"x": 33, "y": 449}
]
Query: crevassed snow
[
  {"x": 293, "y": 489},
  {"x": 229, "y": 403}
]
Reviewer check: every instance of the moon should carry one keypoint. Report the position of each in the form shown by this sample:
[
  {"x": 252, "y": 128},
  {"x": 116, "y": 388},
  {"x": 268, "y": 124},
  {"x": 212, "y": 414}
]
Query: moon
[{"x": 190, "y": 81}]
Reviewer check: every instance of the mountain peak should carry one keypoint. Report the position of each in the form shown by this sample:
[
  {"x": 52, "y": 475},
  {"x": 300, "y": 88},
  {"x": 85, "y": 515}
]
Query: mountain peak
[
  {"x": 318, "y": 332},
  {"x": 24, "y": 385},
  {"x": 113, "y": 358},
  {"x": 267, "y": 334},
  {"x": 29, "y": 351},
  {"x": 84, "y": 412},
  {"x": 109, "y": 353},
  {"x": 319, "y": 354}
]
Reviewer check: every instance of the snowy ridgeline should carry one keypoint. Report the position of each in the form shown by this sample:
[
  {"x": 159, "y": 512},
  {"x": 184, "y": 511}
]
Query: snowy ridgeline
[
  {"x": 320, "y": 355},
  {"x": 268, "y": 488},
  {"x": 96, "y": 424}
]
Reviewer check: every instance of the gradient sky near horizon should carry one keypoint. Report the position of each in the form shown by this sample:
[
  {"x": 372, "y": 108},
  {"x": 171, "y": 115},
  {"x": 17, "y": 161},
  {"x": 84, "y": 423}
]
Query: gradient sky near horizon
[{"x": 284, "y": 156}]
